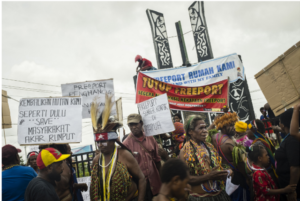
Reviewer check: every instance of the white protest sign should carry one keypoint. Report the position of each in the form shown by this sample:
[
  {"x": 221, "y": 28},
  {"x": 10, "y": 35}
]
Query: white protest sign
[
  {"x": 33, "y": 148},
  {"x": 88, "y": 91},
  {"x": 85, "y": 194},
  {"x": 49, "y": 120},
  {"x": 156, "y": 115}
]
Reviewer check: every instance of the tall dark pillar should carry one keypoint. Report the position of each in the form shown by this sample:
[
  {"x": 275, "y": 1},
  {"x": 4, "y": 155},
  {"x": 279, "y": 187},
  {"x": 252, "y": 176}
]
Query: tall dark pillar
[{"x": 184, "y": 55}]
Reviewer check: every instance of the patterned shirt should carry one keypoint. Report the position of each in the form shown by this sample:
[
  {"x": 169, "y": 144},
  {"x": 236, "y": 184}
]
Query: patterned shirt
[
  {"x": 201, "y": 161},
  {"x": 145, "y": 160},
  {"x": 261, "y": 182}
]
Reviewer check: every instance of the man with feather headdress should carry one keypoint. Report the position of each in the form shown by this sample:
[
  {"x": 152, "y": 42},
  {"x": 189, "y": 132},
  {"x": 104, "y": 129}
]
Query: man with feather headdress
[{"x": 115, "y": 172}]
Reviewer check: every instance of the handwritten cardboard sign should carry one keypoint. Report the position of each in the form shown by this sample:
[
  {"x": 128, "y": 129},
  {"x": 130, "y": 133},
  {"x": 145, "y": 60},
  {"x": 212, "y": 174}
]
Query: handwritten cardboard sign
[
  {"x": 85, "y": 194},
  {"x": 88, "y": 91},
  {"x": 49, "y": 120},
  {"x": 156, "y": 115}
]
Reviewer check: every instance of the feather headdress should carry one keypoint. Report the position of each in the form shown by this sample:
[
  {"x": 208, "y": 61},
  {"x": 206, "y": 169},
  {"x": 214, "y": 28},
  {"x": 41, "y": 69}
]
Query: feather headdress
[
  {"x": 104, "y": 125},
  {"x": 226, "y": 119}
]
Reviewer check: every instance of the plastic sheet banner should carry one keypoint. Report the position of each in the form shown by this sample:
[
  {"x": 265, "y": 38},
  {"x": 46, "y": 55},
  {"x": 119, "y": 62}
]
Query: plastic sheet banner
[
  {"x": 208, "y": 98},
  {"x": 80, "y": 150},
  {"x": 206, "y": 72}
]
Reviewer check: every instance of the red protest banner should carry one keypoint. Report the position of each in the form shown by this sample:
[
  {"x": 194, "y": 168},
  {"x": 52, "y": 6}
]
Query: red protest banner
[{"x": 209, "y": 98}]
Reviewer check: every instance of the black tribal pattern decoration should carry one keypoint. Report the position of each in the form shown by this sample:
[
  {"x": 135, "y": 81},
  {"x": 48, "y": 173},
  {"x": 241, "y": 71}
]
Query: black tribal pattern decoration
[
  {"x": 199, "y": 28},
  {"x": 240, "y": 100},
  {"x": 160, "y": 39}
]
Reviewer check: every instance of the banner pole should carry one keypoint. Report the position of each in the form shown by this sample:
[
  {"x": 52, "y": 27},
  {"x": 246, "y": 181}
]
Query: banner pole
[
  {"x": 26, "y": 153},
  {"x": 228, "y": 88},
  {"x": 182, "y": 117},
  {"x": 4, "y": 136},
  {"x": 160, "y": 139}
]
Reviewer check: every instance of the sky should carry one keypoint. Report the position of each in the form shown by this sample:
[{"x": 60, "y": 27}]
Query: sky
[{"x": 64, "y": 42}]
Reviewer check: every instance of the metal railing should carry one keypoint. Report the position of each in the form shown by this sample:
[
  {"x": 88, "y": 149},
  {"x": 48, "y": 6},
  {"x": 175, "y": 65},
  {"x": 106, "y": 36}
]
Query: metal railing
[{"x": 83, "y": 163}]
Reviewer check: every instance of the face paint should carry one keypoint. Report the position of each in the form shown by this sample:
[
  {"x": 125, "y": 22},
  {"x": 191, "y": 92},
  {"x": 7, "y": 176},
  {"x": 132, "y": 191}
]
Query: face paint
[{"x": 104, "y": 144}]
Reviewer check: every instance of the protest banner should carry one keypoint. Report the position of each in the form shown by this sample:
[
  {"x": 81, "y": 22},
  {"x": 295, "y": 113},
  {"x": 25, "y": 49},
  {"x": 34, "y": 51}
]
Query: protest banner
[
  {"x": 209, "y": 98},
  {"x": 85, "y": 194},
  {"x": 156, "y": 115},
  {"x": 49, "y": 120},
  {"x": 83, "y": 149},
  {"x": 206, "y": 72},
  {"x": 88, "y": 91},
  {"x": 33, "y": 148}
]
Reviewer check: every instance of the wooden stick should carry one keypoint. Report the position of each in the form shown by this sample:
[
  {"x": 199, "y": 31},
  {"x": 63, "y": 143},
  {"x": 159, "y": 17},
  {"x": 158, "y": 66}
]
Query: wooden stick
[
  {"x": 160, "y": 140},
  {"x": 4, "y": 136}
]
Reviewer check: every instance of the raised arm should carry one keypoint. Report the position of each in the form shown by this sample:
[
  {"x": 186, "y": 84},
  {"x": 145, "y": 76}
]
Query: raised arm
[
  {"x": 135, "y": 170},
  {"x": 294, "y": 128}
]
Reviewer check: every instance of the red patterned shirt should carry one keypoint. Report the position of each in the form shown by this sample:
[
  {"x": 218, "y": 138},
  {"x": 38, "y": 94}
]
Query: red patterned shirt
[
  {"x": 147, "y": 64},
  {"x": 261, "y": 182}
]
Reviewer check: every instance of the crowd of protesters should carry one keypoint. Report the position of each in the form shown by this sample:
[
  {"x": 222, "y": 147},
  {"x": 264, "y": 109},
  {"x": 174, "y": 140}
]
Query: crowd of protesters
[{"x": 228, "y": 160}]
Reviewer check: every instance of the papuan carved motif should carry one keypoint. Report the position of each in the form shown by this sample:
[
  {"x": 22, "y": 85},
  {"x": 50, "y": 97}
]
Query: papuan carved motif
[
  {"x": 160, "y": 39},
  {"x": 199, "y": 28},
  {"x": 238, "y": 100}
]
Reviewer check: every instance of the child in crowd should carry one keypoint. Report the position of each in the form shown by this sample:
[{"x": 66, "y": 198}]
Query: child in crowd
[{"x": 263, "y": 185}]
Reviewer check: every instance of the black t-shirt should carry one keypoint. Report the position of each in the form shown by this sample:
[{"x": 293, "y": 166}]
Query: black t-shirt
[
  {"x": 39, "y": 189},
  {"x": 287, "y": 155},
  {"x": 271, "y": 113}
]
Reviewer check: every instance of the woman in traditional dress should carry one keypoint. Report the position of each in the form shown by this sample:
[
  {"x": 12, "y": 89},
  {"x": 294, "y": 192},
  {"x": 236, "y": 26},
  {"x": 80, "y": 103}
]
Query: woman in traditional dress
[
  {"x": 233, "y": 155},
  {"x": 114, "y": 169},
  {"x": 207, "y": 175}
]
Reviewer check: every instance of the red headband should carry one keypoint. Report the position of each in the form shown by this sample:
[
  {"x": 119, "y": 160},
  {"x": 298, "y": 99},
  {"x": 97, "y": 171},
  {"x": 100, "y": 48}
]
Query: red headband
[
  {"x": 32, "y": 154},
  {"x": 105, "y": 136}
]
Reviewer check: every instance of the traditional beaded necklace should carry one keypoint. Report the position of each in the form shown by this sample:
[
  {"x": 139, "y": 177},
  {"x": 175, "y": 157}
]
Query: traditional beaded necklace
[
  {"x": 213, "y": 186},
  {"x": 171, "y": 199},
  {"x": 10, "y": 167}
]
